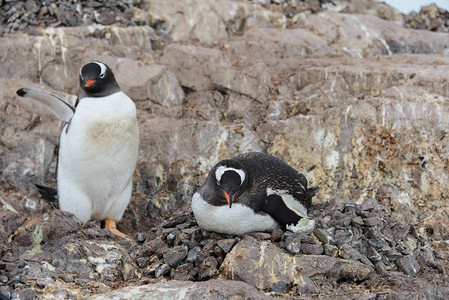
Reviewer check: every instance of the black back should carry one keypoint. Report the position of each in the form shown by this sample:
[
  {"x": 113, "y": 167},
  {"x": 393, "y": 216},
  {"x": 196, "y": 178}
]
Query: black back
[{"x": 268, "y": 171}]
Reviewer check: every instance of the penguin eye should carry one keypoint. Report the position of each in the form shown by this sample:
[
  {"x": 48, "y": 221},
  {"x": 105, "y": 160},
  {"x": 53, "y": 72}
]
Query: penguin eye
[{"x": 102, "y": 75}]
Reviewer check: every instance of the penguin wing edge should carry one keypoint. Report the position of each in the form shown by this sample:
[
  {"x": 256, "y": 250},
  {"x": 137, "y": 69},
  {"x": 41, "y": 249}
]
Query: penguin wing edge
[
  {"x": 275, "y": 206},
  {"x": 58, "y": 106}
]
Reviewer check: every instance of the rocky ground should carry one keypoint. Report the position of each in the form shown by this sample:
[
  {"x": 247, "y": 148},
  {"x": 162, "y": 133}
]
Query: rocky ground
[{"x": 344, "y": 91}]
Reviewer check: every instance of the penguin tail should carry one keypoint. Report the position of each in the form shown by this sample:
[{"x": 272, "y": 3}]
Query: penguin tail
[
  {"x": 48, "y": 193},
  {"x": 313, "y": 190}
]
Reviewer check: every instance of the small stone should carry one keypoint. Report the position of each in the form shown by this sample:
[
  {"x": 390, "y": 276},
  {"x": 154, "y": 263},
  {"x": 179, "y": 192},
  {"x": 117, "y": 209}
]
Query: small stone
[
  {"x": 16, "y": 279},
  {"x": 14, "y": 272},
  {"x": 157, "y": 246},
  {"x": 3, "y": 279},
  {"x": 183, "y": 272},
  {"x": 393, "y": 254},
  {"x": 260, "y": 235},
  {"x": 373, "y": 221},
  {"x": 172, "y": 222},
  {"x": 140, "y": 237},
  {"x": 293, "y": 243},
  {"x": 342, "y": 220},
  {"x": 357, "y": 222},
  {"x": 306, "y": 238},
  {"x": 312, "y": 249},
  {"x": 324, "y": 236},
  {"x": 162, "y": 270},
  {"x": 373, "y": 255},
  {"x": 343, "y": 236},
  {"x": 192, "y": 255},
  {"x": 369, "y": 204},
  {"x": 281, "y": 286},
  {"x": 208, "y": 268},
  {"x": 43, "y": 282},
  {"x": 305, "y": 286},
  {"x": 276, "y": 235},
  {"x": 351, "y": 207},
  {"x": 175, "y": 255},
  {"x": 226, "y": 244},
  {"x": 426, "y": 256},
  {"x": 347, "y": 252},
  {"x": 379, "y": 243},
  {"x": 202, "y": 255},
  {"x": 381, "y": 268},
  {"x": 324, "y": 222},
  {"x": 330, "y": 250},
  {"x": 218, "y": 252},
  {"x": 172, "y": 235},
  {"x": 143, "y": 262},
  {"x": 408, "y": 265},
  {"x": 400, "y": 231},
  {"x": 209, "y": 245}
]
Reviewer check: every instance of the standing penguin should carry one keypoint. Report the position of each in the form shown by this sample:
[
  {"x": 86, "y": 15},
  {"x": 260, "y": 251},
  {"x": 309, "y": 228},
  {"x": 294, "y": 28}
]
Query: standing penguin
[
  {"x": 97, "y": 147},
  {"x": 252, "y": 192}
]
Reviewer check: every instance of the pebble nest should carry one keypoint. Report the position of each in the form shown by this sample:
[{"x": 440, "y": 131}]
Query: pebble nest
[
  {"x": 178, "y": 249},
  {"x": 22, "y": 15},
  {"x": 26, "y": 15}
]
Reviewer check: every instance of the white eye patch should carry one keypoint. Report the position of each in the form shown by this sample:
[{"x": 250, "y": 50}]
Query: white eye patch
[
  {"x": 222, "y": 169},
  {"x": 101, "y": 65}
]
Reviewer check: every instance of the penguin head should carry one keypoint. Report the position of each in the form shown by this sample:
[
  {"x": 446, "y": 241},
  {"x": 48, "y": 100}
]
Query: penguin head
[
  {"x": 230, "y": 178},
  {"x": 97, "y": 80}
]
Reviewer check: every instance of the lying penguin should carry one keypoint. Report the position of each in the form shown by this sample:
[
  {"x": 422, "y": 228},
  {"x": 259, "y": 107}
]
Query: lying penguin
[
  {"x": 253, "y": 192},
  {"x": 97, "y": 146}
]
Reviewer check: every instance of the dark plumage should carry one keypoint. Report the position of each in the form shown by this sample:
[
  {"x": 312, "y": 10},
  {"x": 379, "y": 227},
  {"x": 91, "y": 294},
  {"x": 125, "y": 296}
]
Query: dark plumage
[{"x": 260, "y": 184}]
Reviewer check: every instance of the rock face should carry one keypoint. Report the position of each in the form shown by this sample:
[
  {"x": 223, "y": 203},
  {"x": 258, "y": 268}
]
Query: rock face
[
  {"x": 343, "y": 93},
  {"x": 214, "y": 289}
]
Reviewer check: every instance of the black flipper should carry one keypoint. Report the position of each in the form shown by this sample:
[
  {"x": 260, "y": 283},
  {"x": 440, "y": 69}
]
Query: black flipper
[
  {"x": 276, "y": 208},
  {"x": 49, "y": 194}
]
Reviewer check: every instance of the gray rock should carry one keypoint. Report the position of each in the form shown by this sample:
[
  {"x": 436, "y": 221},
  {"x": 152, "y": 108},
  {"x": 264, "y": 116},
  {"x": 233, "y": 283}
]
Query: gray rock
[
  {"x": 372, "y": 221},
  {"x": 324, "y": 236},
  {"x": 343, "y": 235},
  {"x": 192, "y": 255},
  {"x": 226, "y": 244},
  {"x": 330, "y": 250},
  {"x": 293, "y": 243},
  {"x": 306, "y": 286},
  {"x": 408, "y": 265},
  {"x": 186, "y": 289},
  {"x": 162, "y": 270},
  {"x": 208, "y": 268},
  {"x": 281, "y": 287},
  {"x": 312, "y": 249},
  {"x": 373, "y": 255},
  {"x": 175, "y": 255},
  {"x": 143, "y": 262},
  {"x": 140, "y": 237},
  {"x": 255, "y": 262}
]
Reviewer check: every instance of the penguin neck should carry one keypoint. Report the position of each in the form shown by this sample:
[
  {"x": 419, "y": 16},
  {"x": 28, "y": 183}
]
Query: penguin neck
[{"x": 111, "y": 89}]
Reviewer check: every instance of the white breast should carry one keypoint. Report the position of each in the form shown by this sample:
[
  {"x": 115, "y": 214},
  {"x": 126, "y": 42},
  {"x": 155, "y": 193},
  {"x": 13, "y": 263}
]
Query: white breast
[
  {"x": 236, "y": 220},
  {"x": 98, "y": 154}
]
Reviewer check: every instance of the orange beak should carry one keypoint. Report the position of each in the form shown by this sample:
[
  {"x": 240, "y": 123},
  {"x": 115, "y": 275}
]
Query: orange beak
[
  {"x": 89, "y": 82},
  {"x": 229, "y": 198}
]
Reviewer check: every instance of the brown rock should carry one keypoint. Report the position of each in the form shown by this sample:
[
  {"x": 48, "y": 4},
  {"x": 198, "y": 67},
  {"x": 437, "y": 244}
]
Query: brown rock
[
  {"x": 260, "y": 263},
  {"x": 186, "y": 289}
]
